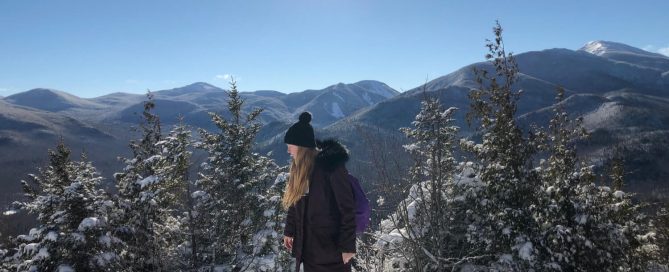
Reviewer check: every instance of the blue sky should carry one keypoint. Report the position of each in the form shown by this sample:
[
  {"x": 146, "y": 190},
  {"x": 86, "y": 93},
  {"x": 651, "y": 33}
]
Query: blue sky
[{"x": 91, "y": 48}]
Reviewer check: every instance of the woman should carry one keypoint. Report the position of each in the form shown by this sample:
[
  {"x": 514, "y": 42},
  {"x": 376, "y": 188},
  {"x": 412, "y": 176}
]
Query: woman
[{"x": 320, "y": 226}]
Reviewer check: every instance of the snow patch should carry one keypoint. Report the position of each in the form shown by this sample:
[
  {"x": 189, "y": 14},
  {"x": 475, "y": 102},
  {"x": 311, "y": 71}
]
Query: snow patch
[
  {"x": 339, "y": 96},
  {"x": 10, "y": 212},
  {"x": 595, "y": 48},
  {"x": 42, "y": 254},
  {"x": 198, "y": 194},
  {"x": 52, "y": 236},
  {"x": 105, "y": 258},
  {"x": 506, "y": 231},
  {"x": 367, "y": 98},
  {"x": 336, "y": 110},
  {"x": 410, "y": 147},
  {"x": 525, "y": 251},
  {"x": 89, "y": 222},
  {"x": 506, "y": 258},
  {"x": 30, "y": 248},
  {"x": 78, "y": 236},
  {"x": 619, "y": 194},
  {"x": 147, "y": 181},
  {"x": 65, "y": 268},
  {"x": 105, "y": 240}
]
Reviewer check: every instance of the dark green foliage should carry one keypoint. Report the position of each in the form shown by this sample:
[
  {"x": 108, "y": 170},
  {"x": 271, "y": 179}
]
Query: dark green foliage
[
  {"x": 232, "y": 177},
  {"x": 140, "y": 193},
  {"x": 504, "y": 159},
  {"x": 72, "y": 212}
]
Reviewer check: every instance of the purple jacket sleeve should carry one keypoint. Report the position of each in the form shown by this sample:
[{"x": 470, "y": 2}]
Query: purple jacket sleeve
[
  {"x": 289, "y": 228},
  {"x": 343, "y": 193}
]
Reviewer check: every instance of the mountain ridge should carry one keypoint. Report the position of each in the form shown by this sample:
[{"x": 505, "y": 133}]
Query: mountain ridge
[{"x": 622, "y": 81}]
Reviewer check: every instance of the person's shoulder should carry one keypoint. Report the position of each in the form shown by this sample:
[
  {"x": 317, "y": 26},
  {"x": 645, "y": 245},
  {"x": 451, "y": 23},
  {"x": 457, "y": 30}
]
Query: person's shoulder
[{"x": 333, "y": 155}]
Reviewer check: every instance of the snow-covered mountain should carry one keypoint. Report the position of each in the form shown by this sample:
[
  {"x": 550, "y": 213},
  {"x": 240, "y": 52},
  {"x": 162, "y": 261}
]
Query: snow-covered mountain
[
  {"x": 33, "y": 121},
  {"x": 50, "y": 100},
  {"x": 606, "y": 48},
  {"x": 625, "y": 53},
  {"x": 26, "y": 134},
  {"x": 619, "y": 90},
  {"x": 340, "y": 100}
]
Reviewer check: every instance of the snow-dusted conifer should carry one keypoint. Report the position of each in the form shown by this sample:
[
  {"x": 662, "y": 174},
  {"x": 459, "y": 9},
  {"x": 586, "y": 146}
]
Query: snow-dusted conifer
[
  {"x": 584, "y": 227},
  {"x": 72, "y": 212},
  {"x": 230, "y": 184},
  {"x": 661, "y": 225},
  {"x": 271, "y": 255},
  {"x": 503, "y": 223},
  {"x": 4, "y": 261},
  {"x": 430, "y": 227},
  {"x": 141, "y": 194},
  {"x": 178, "y": 226}
]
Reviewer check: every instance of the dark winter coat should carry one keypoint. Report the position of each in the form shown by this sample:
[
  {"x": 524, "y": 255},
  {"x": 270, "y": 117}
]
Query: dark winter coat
[{"x": 322, "y": 223}]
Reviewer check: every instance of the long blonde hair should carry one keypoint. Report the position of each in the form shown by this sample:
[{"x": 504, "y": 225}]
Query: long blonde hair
[{"x": 300, "y": 172}]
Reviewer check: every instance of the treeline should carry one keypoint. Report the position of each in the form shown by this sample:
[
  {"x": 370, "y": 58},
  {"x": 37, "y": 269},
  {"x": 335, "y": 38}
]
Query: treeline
[
  {"x": 228, "y": 219},
  {"x": 516, "y": 201}
]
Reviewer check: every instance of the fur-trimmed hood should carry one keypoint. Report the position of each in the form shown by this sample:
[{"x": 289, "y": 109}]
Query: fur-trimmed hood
[{"x": 332, "y": 155}]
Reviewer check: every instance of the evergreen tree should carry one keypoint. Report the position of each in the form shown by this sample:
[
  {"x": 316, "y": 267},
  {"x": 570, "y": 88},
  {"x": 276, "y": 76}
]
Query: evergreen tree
[
  {"x": 271, "y": 255},
  {"x": 502, "y": 224},
  {"x": 6, "y": 259},
  {"x": 231, "y": 183},
  {"x": 72, "y": 212},
  {"x": 428, "y": 230},
  {"x": 661, "y": 225},
  {"x": 143, "y": 198},
  {"x": 617, "y": 170},
  {"x": 586, "y": 227},
  {"x": 429, "y": 216},
  {"x": 563, "y": 181},
  {"x": 178, "y": 226}
]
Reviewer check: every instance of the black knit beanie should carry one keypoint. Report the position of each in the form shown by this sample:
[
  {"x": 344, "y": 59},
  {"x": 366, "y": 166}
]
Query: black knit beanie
[{"x": 301, "y": 133}]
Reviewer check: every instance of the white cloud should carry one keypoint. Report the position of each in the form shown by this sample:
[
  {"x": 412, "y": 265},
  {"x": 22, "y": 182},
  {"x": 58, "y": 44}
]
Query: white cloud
[
  {"x": 664, "y": 51},
  {"x": 223, "y": 77},
  {"x": 649, "y": 48},
  {"x": 227, "y": 77}
]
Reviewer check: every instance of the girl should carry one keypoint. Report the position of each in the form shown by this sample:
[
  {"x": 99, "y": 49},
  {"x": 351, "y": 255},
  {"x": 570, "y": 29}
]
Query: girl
[{"x": 320, "y": 226}]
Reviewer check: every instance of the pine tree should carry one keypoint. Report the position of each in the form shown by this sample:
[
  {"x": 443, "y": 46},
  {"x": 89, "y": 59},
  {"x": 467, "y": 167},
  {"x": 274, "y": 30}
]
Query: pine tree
[
  {"x": 72, "y": 212},
  {"x": 617, "y": 174},
  {"x": 231, "y": 183},
  {"x": 429, "y": 216},
  {"x": 661, "y": 226},
  {"x": 6, "y": 260},
  {"x": 3, "y": 254},
  {"x": 178, "y": 227},
  {"x": 271, "y": 256},
  {"x": 142, "y": 198},
  {"x": 502, "y": 224},
  {"x": 585, "y": 227}
]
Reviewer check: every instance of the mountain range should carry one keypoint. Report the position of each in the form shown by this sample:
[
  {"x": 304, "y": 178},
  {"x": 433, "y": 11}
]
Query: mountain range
[{"x": 621, "y": 92}]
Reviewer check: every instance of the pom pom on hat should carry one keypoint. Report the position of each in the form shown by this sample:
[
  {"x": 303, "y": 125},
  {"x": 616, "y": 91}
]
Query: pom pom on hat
[
  {"x": 305, "y": 117},
  {"x": 301, "y": 133}
]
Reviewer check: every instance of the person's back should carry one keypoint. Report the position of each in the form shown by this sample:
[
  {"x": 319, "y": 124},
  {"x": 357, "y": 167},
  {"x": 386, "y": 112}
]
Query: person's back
[{"x": 320, "y": 225}]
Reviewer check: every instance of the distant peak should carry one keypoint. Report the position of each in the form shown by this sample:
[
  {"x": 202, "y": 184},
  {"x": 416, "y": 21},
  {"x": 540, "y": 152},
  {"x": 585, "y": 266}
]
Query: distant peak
[
  {"x": 369, "y": 81},
  {"x": 601, "y": 48},
  {"x": 201, "y": 85},
  {"x": 42, "y": 92}
]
